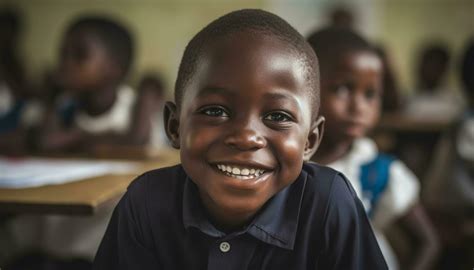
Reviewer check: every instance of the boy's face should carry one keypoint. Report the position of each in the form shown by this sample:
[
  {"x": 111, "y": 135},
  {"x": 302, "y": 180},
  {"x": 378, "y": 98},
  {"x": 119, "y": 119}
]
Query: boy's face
[
  {"x": 244, "y": 123},
  {"x": 85, "y": 64},
  {"x": 351, "y": 93}
]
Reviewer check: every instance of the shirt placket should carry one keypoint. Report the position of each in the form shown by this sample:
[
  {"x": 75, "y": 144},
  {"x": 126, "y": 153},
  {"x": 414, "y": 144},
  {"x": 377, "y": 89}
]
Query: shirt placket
[{"x": 233, "y": 253}]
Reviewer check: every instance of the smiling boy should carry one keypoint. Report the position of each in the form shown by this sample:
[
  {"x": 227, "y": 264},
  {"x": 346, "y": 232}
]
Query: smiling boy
[{"x": 245, "y": 119}]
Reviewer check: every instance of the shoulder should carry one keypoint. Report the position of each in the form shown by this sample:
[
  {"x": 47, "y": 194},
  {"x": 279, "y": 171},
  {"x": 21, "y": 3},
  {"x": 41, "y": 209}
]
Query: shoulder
[
  {"x": 400, "y": 170},
  {"x": 400, "y": 194},
  {"x": 325, "y": 180},
  {"x": 328, "y": 191},
  {"x": 157, "y": 181},
  {"x": 402, "y": 179},
  {"x": 344, "y": 235},
  {"x": 126, "y": 92},
  {"x": 156, "y": 187},
  {"x": 152, "y": 197}
]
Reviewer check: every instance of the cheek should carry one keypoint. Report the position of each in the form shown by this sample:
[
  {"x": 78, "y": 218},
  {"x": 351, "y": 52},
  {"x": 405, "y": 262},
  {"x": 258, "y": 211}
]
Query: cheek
[
  {"x": 194, "y": 145},
  {"x": 81, "y": 74},
  {"x": 375, "y": 113},
  {"x": 333, "y": 110},
  {"x": 94, "y": 70},
  {"x": 290, "y": 152},
  {"x": 293, "y": 145},
  {"x": 196, "y": 140}
]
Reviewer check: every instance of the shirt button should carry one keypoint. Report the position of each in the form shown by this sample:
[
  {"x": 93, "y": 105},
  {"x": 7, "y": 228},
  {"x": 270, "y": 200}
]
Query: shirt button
[{"x": 224, "y": 247}]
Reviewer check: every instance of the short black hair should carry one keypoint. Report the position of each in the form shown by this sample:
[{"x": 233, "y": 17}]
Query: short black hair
[
  {"x": 10, "y": 20},
  {"x": 332, "y": 42},
  {"x": 254, "y": 21},
  {"x": 467, "y": 69},
  {"x": 435, "y": 52},
  {"x": 113, "y": 35}
]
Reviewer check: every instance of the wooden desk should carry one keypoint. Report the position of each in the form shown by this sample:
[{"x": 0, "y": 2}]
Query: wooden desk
[
  {"x": 400, "y": 122},
  {"x": 77, "y": 198},
  {"x": 412, "y": 139}
]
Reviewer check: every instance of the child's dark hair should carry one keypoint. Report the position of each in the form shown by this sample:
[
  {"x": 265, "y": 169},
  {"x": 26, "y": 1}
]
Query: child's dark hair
[
  {"x": 333, "y": 41},
  {"x": 435, "y": 52},
  {"x": 255, "y": 21},
  {"x": 10, "y": 21},
  {"x": 113, "y": 35},
  {"x": 467, "y": 69}
]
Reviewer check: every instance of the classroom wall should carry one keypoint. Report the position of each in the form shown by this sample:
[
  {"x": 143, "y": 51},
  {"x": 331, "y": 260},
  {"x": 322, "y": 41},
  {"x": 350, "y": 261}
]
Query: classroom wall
[
  {"x": 405, "y": 25},
  {"x": 163, "y": 27},
  {"x": 402, "y": 26}
]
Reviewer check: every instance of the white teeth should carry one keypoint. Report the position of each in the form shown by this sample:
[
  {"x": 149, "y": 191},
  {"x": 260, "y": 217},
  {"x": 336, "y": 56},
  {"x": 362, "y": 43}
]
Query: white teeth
[{"x": 240, "y": 173}]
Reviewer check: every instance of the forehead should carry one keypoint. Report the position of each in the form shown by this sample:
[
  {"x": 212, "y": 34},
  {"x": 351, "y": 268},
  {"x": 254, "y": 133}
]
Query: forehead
[
  {"x": 365, "y": 60},
  {"x": 244, "y": 59},
  {"x": 83, "y": 37},
  {"x": 353, "y": 61},
  {"x": 83, "y": 41}
]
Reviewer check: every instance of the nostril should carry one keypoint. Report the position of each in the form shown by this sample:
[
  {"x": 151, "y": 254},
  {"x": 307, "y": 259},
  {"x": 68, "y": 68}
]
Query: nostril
[{"x": 246, "y": 140}]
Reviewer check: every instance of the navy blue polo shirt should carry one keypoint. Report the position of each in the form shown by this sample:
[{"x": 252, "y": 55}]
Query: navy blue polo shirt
[{"x": 315, "y": 223}]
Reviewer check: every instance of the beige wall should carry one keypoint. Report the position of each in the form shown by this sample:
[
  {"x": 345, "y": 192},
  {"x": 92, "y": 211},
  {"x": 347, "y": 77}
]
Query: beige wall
[
  {"x": 163, "y": 27},
  {"x": 407, "y": 25},
  {"x": 402, "y": 26}
]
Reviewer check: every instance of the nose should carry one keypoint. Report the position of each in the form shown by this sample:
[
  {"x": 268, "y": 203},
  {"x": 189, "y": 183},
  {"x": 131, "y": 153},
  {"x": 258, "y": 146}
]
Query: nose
[
  {"x": 357, "y": 103},
  {"x": 246, "y": 137}
]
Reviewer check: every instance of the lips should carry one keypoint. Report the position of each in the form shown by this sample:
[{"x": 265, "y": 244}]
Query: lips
[
  {"x": 355, "y": 123},
  {"x": 240, "y": 172}
]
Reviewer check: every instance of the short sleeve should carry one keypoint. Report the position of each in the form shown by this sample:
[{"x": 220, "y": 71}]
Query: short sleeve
[
  {"x": 349, "y": 241},
  {"x": 123, "y": 246},
  {"x": 401, "y": 194}
]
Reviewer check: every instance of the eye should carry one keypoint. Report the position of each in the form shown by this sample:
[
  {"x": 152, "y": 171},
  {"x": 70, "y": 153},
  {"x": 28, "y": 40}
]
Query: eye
[
  {"x": 278, "y": 117},
  {"x": 214, "y": 111},
  {"x": 371, "y": 94}
]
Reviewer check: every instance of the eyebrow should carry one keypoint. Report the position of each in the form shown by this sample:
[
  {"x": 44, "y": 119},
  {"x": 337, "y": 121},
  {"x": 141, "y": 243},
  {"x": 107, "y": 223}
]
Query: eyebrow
[
  {"x": 276, "y": 95},
  {"x": 215, "y": 90},
  {"x": 280, "y": 95}
]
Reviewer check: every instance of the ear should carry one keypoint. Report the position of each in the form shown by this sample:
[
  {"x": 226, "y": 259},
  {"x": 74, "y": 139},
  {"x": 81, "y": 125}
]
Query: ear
[
  {"x": 314, "y": 138},
  {"x": 171, "y": 120}
]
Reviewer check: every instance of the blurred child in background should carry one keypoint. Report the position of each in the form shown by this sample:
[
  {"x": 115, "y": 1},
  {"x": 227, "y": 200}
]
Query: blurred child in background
[
  {"x": 96, "y": 108},
  {"x": 391, "y": 93},
  {"x": 18, "y": 112},
  {"x": 147, "y": 126},
  {"x": 432, "y": 99},
  {"x": 96, "y": 55},
  {"x": 351, "y": 86},
  {"x": 449, "y": 183}
]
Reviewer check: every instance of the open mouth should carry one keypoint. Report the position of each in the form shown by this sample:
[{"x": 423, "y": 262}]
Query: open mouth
[{"x": 240, "y": 172}]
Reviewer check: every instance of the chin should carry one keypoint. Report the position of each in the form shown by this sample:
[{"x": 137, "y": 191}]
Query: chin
[
  {"x": 241, "y": 206},
  {"x": 355, "y": 133}
]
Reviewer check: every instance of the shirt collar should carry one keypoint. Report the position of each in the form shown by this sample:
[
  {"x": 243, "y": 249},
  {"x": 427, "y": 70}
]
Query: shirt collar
[
  {"x": 193, "y": 211},
  {"x": 276, "y": 224},
  {"x": 363, "y": 150}
]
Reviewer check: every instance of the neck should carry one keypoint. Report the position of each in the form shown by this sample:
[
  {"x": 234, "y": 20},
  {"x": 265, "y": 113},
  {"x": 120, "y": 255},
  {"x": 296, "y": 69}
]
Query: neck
[
  {"x": 332, "y": 151},
  {"x": 226, "y": 221}
]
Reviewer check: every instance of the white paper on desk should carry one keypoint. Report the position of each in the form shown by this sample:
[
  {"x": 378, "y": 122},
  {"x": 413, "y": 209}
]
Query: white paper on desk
[{"x": 35, "y": 172}]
